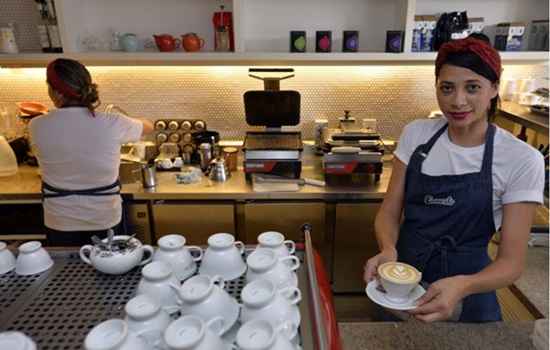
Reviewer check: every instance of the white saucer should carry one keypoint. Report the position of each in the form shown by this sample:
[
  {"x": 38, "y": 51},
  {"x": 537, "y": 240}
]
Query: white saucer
[{"x": 381, "y": 299}]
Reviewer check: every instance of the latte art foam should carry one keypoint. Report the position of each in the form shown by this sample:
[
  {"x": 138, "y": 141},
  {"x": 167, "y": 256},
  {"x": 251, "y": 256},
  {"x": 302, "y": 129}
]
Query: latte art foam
[{"x": 399, "y": 272}]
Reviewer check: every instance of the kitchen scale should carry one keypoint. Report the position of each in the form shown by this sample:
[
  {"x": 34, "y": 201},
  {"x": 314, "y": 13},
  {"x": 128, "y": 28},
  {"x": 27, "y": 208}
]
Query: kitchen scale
[{"x": 272, "y": 151}]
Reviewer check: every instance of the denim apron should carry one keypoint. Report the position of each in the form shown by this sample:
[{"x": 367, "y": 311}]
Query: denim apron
[{"x": 448, "y": 224}]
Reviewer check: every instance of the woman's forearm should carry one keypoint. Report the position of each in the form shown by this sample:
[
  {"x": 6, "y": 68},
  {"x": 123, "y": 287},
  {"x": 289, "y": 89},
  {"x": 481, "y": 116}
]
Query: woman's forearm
[
  {"x": 387, "y": 231},
  {"x": 499, "y": 274}
]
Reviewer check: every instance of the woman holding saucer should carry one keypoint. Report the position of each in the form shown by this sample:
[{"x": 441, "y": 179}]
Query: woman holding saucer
[{"x": 455, "y": 181}]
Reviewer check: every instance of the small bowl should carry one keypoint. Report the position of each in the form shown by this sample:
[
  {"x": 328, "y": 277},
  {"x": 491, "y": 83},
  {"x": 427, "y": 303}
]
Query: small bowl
[{"x": 32, "y": 259}]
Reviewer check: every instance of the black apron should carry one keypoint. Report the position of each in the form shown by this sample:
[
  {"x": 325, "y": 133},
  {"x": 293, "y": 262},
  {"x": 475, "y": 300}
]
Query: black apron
[{"x": 448, "y": 224}]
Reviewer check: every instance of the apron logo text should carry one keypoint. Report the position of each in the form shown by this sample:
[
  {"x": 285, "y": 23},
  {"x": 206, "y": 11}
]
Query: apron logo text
[{"x": 430, "y": 200}]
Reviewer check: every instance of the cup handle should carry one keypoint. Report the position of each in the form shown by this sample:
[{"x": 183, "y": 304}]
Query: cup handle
[
  {"x": 84, "y": 255},
  {"x": 290, "y": 245},
  {"x": 296, "y": 261},
  {"x": 151, "y": 251},
  {"x": 293, "y": 294},
  {"x": 287, "y": 328},
  {"x": 201, "y": 40},
  {"x": 198, "y": 249},
  {"x": 218, "y": 322},
  {"x": 178, "y": 43},
  {"x": 240, "y": 246},
  {"x": 218, "y": 280}
]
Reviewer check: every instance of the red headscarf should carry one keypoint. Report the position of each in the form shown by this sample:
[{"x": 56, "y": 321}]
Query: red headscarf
[
  {"x": 478, "y": 47},
  {"x": 58, "y": 84}
]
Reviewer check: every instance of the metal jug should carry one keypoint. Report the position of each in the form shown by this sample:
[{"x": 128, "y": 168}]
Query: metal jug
[
  {"x": 148, "y": 175},
  {"x": 218, "y": 170}
]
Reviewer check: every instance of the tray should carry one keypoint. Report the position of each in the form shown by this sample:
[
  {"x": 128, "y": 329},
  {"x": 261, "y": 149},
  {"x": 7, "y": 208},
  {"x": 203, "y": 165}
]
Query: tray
[{"x": 59, "y": 307}]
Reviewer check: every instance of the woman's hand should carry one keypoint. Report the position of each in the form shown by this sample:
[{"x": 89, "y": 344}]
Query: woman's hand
[
  {"x": 389, "y": 254},
  {"x": 441, "y": 299}
]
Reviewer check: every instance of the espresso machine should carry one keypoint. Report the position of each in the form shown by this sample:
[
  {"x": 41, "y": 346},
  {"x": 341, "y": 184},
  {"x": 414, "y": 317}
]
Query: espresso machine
[
  {"x": 272, "y": 151},
  {"x": 352, "y": 154}
]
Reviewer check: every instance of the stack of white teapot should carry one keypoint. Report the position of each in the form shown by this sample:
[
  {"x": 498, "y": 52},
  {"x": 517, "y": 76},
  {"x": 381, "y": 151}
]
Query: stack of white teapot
[{"x": 210, "y": 318}]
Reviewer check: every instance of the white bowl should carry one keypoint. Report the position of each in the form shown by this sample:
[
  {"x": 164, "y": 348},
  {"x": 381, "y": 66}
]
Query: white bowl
[
  {"x": 7, "y": 260},
  {"x": 16, "y": 341},
  {"x": 32, "y": 259}
]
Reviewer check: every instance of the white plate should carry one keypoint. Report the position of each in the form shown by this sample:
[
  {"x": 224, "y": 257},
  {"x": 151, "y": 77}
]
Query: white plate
[{"x": 381, "y": 299}]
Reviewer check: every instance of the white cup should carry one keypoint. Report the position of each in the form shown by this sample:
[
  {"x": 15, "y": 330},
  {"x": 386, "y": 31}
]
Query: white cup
[
  {"x": 398, "y": 291},
  {"x": 173, "y": 251},
  {"x": 156, "y": 282},
  {"x": 276, "y": 241},
  {"x": 264, "y": 263},
  {"x": 14, "y": 340},
  {"x": 32, "y": 259},
  {"x": 203, "y": 296},
  {"x": 261, "y": 335},
  {"x": 113, "y": 335},
  {"x": 146, "y": 319},
  {"x": 192, "y": 333},
  {"x": 7, "y": 260},
  {"x": 262, "y": 301},
  {"x": 223, "y": 257}
]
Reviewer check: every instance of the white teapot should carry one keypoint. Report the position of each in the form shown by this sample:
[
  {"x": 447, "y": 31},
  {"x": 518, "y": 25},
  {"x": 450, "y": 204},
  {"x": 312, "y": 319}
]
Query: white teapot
[{"x": 125, "y": 253}]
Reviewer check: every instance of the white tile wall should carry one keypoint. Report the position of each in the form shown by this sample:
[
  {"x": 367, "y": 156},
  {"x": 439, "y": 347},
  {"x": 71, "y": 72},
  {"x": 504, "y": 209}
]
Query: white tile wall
[{"x": 394, "y": 95}]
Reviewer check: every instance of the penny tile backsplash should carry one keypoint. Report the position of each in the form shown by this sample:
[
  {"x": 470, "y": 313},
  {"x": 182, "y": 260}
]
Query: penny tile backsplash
[{"x": 394, "y": 95}]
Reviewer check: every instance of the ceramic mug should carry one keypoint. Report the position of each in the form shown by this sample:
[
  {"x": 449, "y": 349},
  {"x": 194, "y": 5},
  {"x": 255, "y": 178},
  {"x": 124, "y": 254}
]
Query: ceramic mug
[
  {"x": 204, "y": 297},
  {"x": 276, "y": 241},
  {"x": 174, "y": 252},
  {"x": 7, "y": 260},
  {"x": 129, "y": 42},
  {"x": 157, "y": 279},
  {"x": 192, "y": 333},
  {"x": 113, "y": 335},
  {"x": 146, "y": 319},
  {"x": 223, "y": 257},
  {"x": 261, "y": 335},
  {"x": 262, "y": 301},
  {"x": 14, "y": 340},
  {"x": 264, "y": 263},
  {"x": 116, "y": 262}
]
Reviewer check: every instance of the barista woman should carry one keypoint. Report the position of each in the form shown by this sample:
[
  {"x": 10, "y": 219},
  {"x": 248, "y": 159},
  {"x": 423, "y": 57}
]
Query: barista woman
[
  {"x": 78, "y": 150},
  {"x": 457, "y": 180}
]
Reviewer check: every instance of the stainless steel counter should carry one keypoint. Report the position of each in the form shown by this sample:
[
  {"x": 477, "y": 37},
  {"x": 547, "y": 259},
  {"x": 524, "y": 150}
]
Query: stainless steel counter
[{"x": 25, "y": 187}]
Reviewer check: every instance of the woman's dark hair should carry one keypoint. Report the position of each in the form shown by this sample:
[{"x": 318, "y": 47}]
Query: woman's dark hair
[
  {"x": 75, "y": 74},
  {"x": 474, "y": 63}
]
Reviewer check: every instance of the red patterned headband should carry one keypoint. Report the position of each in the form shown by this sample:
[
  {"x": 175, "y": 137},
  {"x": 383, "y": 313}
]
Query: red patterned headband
[
  {"x": 59, "y": 85},
  {"x": 478, "y": 47}
]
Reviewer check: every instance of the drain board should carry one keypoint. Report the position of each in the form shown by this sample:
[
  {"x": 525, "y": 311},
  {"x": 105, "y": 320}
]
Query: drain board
[{"x": 59, "y": 307}]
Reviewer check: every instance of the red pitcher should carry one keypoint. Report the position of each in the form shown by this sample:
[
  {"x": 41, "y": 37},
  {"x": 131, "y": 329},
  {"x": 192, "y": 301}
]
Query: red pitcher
[
  {"x": 166, "y": 42},
  {"x": 192, "y": 42}
]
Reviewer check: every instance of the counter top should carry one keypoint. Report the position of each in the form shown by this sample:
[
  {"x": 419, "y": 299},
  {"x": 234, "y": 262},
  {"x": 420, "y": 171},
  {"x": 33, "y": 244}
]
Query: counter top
[
  {"x": 440, "y": 335},
  {"x": 25, "y": 187},
  {"x": 533, "y": 283},
  {"x": 523, "y": 116}
]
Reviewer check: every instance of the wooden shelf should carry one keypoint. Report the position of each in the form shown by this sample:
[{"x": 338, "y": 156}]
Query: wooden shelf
[{"x": 247, "y": 58}]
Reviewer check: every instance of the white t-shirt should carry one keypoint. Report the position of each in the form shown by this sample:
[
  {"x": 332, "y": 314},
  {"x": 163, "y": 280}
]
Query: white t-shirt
[
  {"x": 518, "y": 168},
  {"x": 77, "y": 151}
]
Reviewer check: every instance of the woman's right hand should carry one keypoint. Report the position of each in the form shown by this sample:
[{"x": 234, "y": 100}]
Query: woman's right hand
[{"x": 371, "y": 267}]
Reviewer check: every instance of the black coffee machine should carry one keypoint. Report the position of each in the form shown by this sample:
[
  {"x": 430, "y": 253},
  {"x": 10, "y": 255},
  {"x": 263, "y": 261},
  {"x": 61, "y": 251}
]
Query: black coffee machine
[{"x": 272, "y": 151}]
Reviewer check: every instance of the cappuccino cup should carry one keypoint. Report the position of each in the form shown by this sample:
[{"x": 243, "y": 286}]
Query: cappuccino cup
[{"x": 399, "y": 280}]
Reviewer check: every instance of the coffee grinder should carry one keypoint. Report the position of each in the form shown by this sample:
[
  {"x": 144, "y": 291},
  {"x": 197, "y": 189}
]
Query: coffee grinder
[{"x": 272, "y": 151}]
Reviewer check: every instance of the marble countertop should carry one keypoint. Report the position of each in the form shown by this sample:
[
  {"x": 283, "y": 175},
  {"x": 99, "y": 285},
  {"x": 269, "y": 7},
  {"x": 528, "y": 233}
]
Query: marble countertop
[
  {"x": 533, "y": 283},
  {"x": 440, "y": 335}
]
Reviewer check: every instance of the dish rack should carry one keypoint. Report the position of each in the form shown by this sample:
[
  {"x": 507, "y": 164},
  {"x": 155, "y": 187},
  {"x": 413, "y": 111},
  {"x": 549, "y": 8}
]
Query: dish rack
[{"x": 58, "y": 307}]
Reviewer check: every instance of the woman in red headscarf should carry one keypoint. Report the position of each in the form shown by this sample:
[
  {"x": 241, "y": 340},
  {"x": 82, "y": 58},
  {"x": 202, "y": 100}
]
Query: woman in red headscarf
[
  {"x": 455, "y": 181},
  {"x": 78, "y": 150}
]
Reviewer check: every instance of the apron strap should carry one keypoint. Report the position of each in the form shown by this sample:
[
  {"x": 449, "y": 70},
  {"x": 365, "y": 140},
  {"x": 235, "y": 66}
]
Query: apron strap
[
  {"x": 421, "y": 152},
  {"x": 487, "y": 163},
  {"x": 54, "y": 192}
]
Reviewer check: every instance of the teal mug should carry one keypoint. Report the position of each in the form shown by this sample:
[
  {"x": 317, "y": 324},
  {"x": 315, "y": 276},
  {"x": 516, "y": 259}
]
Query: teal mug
[{"x": 129, "y": 42}]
